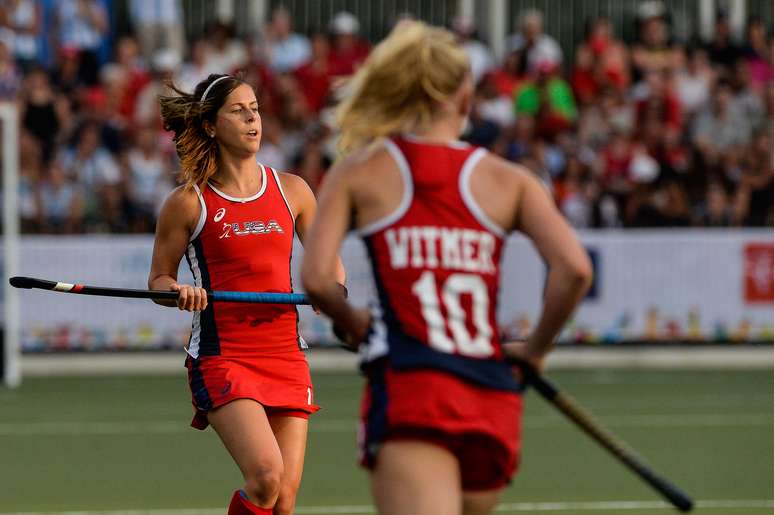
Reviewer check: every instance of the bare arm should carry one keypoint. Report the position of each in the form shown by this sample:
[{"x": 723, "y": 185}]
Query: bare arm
[
  {"x": 569, "y": 268},
  {"x": 323, "y": 241},
  {"x": 174, "y": 227},
  {"x": 304, "y": 207}
]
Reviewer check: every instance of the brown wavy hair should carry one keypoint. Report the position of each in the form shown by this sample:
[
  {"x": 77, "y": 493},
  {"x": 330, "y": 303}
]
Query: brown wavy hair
[{"x": 184, "y": 114}]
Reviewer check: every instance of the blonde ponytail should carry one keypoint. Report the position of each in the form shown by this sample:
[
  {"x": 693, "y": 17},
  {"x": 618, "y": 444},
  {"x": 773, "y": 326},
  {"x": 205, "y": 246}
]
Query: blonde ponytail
[{"x": 401, "y": 84}]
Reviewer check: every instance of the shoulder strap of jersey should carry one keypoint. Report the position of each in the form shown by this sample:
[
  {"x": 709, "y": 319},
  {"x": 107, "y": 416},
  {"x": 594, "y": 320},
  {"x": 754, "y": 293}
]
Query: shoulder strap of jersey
[
  {"x": 278, "y": 183},
  {"x": 467, "y": 195},
  {"x": 202, "y": 214}
]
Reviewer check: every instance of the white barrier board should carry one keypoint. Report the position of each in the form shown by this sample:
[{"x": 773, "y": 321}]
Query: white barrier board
[{"x": 649, "y": 285}]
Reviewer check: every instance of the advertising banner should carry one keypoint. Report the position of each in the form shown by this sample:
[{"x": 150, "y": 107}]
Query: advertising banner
[{"x": 653, "y": 286}]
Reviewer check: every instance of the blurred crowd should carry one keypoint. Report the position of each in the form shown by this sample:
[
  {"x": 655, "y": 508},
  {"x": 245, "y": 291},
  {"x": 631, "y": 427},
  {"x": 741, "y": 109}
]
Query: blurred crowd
[{"x": 654, "y": 133}]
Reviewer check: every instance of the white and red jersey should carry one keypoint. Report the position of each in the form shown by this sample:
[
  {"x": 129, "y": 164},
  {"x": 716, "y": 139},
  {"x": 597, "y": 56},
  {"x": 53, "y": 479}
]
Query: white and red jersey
[
  {"x": 244, "y": 244},
  {"x": 436, "y": 265}
]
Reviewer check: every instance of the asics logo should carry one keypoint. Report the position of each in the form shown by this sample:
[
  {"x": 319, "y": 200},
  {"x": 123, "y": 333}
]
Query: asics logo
[{"x": 219, "y": 214}]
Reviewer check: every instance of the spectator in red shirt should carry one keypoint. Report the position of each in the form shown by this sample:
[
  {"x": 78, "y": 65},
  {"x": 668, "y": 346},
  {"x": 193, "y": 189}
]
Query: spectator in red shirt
[
  {"x": 510, "y": 75},
  {"x": 659, "y": 100},
  {"x": 600, "y": 62},
  {"x": 316, "y": 74},
  {"x": 349, "y": 50}
]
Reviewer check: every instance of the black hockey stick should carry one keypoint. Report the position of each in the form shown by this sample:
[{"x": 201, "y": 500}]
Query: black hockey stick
[
  {"x": 216, "y": 296},
  {"x": 617, "y": 447}
]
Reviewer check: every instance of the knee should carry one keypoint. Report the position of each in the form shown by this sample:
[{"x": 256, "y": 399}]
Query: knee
[
  {"x": 263, "y": 485},
  {"x": 286, "y": 502}
]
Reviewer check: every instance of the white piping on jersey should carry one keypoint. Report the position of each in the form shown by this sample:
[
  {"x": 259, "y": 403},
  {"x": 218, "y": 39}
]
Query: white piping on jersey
[
  {"x": 408, "y": 192},
  {"x": 243, "y": 199},
  {"x": 419, "y": 139},
  {"x": 196, "y": 326},
  {"x": 467, "y": 195},
  {"x": 282, "y": 192},
  {"x": 202, "y": 215}
]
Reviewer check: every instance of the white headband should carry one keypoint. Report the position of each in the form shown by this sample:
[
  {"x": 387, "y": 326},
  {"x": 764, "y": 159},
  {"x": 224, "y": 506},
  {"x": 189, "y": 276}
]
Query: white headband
[{"x": 204, "y": 95}]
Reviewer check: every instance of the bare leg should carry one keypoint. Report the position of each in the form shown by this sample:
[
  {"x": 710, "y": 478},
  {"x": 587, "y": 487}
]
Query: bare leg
[
  {"x": 245, "y": 431},
  {"x": 416, "y": 478},
  {"x": 290, "y": 433},
  {"x": 480, "y": 503}
]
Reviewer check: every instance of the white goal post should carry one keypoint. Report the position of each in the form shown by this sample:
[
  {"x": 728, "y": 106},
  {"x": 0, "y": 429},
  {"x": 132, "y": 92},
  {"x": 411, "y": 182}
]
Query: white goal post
[{"x": 11, "y": 316}]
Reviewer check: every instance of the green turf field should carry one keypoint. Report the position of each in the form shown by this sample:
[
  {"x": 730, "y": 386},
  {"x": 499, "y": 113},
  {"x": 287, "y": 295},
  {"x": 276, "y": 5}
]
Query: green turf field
[{"x": 93, "y": 444}]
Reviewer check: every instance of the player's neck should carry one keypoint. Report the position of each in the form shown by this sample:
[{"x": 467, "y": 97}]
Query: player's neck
[
  {"x": 238, "y": 173},
  {"x": 441, "y": 131}
]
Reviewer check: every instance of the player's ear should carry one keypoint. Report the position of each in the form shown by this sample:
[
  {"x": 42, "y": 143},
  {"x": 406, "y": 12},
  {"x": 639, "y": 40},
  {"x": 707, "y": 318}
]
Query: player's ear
[
  {"x": 465, "y": 97},
  {"x": 208, "y": 128}
]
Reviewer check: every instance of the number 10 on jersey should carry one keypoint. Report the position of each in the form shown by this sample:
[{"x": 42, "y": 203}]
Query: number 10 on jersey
[{"x": 478, "y": 345}]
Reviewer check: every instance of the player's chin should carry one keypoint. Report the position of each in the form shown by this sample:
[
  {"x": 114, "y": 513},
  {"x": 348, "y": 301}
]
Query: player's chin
[{"x": 251, "y": 145}]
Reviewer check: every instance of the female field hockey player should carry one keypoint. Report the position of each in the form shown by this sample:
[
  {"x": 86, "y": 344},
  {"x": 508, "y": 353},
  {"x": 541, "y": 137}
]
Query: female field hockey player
[
  {"x": 440, "y": 417},
  {"x": 234, "y": 220}
]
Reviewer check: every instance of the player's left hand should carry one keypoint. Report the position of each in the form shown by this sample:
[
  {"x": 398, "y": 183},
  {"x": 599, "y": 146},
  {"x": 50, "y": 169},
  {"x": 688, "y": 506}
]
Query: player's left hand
[{"x": 361, "y": 322}]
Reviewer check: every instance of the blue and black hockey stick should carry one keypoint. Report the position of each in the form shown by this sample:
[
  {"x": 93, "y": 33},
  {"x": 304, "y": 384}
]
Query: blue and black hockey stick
[{"x": 212, "y": 296}]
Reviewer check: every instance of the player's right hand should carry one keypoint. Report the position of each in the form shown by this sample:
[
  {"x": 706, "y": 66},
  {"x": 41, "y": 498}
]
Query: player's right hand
[
  {"x": 520, "y": 351},
  {"x": 190, "y": 298}
]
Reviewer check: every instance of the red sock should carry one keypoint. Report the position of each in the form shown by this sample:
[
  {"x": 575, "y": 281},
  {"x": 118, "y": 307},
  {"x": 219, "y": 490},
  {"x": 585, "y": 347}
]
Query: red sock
[{"x": 241, "y": 505}]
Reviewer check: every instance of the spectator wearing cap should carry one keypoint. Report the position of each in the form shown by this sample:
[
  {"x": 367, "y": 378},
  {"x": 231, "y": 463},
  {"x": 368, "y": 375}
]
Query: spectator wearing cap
[
  {"x": 25, "y": 19},
  {"x": 82, "y": 25},
  {"x": 286, "y": 50},
  {"x": 348, "y": 50},
  {"x": 538, "y": 47},
  {"x": 157, "y": 24},
  {"x": 481, "y": 58},
  {"x": 654, "y": 50}
]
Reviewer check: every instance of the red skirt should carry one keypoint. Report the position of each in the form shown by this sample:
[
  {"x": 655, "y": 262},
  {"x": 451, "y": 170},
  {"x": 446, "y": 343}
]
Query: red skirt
[
  {"x": 480, "y": 426},
  {"x": 281, "y": 383}
]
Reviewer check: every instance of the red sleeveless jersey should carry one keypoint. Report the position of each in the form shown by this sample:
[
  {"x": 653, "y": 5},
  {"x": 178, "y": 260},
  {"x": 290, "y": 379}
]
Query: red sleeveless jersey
[
  {"x": 436, "y": 265},
  {"x": 244, "y": 244}
]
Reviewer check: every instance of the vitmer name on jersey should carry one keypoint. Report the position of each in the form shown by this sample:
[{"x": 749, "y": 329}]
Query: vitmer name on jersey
[{"x": 431, "y": 247}]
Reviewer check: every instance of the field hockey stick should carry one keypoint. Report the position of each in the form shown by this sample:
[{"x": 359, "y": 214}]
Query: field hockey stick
[
  {"x": 216, "y": 296},
  {"x": 615, "y": 445}
]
